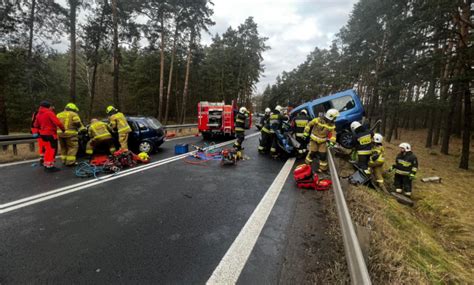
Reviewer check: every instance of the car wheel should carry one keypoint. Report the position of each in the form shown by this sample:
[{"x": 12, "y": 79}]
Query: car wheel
[
  {"x": 145, "y": 146},
  {"x": 345, "y": 139}
]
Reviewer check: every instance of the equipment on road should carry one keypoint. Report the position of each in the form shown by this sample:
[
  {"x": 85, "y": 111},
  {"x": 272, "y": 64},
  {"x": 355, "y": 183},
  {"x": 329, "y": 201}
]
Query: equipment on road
[
  {"x": 181, "y": 148},
  {"x": 306, "y": 179},
  {"x": 229, "y": 156},
  {"x": 217, "y": 119}
]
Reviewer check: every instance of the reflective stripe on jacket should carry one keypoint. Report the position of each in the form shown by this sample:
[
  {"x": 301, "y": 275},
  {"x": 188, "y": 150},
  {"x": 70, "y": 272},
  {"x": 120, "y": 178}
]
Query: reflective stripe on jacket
[
  {"x": 321, "y": 130},
  {"x": 377, "y": 157},
  {"x": 71, "y": 121},
  {"x": 240, "y": 122},
  {"x": 406, "y": 163},
  {"x": 99, "y": 131},
  {"x": 300, "y": 123},
  {"x": 118, "y": 123}
]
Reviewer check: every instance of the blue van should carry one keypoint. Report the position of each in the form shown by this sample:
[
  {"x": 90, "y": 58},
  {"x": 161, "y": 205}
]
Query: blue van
[{"x": 346, "y": 102}]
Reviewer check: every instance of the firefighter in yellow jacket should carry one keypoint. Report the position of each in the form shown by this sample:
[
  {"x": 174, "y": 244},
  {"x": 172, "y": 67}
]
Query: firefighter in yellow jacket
[
  {"x": 323, "y": 131},
  {"x": 377, "y": 160},
  {"x": 118, "y": 123},
  {"x": 68, "y": 140},
  {"x": 99, "y": 135}
]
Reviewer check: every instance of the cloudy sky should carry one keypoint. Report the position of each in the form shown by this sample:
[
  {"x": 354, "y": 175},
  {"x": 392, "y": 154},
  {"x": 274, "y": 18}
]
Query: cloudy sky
[{"x": 294, "y": 27}]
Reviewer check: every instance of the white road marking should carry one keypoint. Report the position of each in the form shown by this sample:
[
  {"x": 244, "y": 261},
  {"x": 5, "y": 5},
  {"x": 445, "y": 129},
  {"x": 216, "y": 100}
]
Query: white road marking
[
  {"x": 37, "y": 159},
  {"x": 231, "y": 265},
  {"x": 27, "y": 201}
]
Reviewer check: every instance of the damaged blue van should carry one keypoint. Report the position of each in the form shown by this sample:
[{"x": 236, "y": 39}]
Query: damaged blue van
[{"x": 346, "y": 102}]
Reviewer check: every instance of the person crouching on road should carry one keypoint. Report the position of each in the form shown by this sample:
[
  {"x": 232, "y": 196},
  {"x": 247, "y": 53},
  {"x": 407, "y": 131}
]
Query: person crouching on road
[
  {"x": 118, "y": 124},
  {"x": 47, "y": 125},
  {"x": 69, "y": 139},
  {"x": 99, "y": 135},
  {"x": 377, "y": 160},
  {"x": 266, "y": 138},
  {"x": 240, "y": 118},
  {"x": 323, "y": 131},
  {"x": 363, "y": 145},
  {"x": 406, "y": 166}
]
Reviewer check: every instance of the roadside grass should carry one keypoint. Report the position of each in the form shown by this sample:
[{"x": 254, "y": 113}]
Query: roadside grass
[
  {"x": 24, "y": 152},
  {"x": 433, "y": 242}
]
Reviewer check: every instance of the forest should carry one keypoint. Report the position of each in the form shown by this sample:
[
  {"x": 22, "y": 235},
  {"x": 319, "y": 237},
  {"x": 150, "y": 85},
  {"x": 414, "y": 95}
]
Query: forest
[
  {"x": 411, "y": 62},
  {"x": 145, "y": 57}
]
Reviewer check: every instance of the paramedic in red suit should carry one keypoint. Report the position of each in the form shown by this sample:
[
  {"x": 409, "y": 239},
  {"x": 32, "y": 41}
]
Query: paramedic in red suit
[
  {"x": 36, "y": 135},
  {"x": 47, "y": 124}
]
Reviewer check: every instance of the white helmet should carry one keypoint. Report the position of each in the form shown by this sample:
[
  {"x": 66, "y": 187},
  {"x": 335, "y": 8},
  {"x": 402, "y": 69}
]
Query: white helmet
[
  {"x": 243, "y": 110},
  {"x": 304, "y": 112},
  {"x": 355, "y": 125},
  {"x": 332, "y": 114},
  {"x": 278, "y": 108},
  {"x": 267, "y": 111},
  {"x": 378, "y": 138},
  {"x": 405, "y": 146}
]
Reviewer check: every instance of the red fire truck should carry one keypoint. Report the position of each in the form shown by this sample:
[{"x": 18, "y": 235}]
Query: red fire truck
[{"x": 217, "y": 119}]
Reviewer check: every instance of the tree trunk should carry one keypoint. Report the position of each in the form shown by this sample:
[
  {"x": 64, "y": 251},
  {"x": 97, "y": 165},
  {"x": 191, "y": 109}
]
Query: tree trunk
[
  {"x": 162, "y": 68},
  {"x": 448, "y": 120},
  {"x": 186, "y": 80},
  {"x": 466, "y": 136},
  {"x": 30, "y": 52},
  {"x": 96, "y": 63},
  {"x": 466, "y": 72},
  {"x": 72, "y": 60},
  {"x": 3, "y": 114},
  {"x": 116, "y": 56},
  {"x": 170, "y": 78},
  {"x": 457, "y": 120},
  {"x": 431, "y": 110}
]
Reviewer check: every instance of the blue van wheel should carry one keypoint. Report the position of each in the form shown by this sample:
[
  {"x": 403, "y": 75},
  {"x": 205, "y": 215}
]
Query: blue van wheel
[
  {"x": 145, "y": 146},
  {"x": 345, "y": 140}
]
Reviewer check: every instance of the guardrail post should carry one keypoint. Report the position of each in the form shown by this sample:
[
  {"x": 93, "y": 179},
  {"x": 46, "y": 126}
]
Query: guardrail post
[
  {"x": 15, "y": 150},
  {"x": 354, "y": 257},
  {"x": 32, "y": 147}
]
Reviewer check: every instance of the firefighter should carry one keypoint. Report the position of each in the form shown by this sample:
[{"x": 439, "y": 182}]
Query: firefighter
[
  {"x": 69, "y": 140},
  {"x": 260, "y": 124},
  {"x": 363, "y": 145},
  {"x": 406, "y": 166},
  {"x": 377, "y": 160},
  {"x": 99, "y": 135},
  {"x": 299, "y": 124},
  {"x": 47, "y": 125},
  {"x": 265, "y": 140},
  {"x": 118, "y": 124},
  {"x": 276, "y": 121},
  {"x": 36, "y": 135},
  {"x": 240, "y": 118},
  {"x": 323, "y": 131}
]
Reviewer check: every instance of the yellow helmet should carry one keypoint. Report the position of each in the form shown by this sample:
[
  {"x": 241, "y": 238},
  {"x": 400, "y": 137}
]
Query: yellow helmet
[
  {"x": 110, "y": 109},
  {"x": 72, "y": 107},
  {"x": 143, "y": 156}
]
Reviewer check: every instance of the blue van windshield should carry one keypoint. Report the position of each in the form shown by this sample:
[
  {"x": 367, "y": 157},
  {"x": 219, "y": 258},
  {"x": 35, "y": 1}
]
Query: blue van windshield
[{"x": 343, "y": 103}]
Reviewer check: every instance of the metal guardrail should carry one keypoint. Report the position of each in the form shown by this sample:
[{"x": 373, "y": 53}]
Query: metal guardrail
[
  {"x": 15, "y": 140},
  {"x": 354, "y": 257}
]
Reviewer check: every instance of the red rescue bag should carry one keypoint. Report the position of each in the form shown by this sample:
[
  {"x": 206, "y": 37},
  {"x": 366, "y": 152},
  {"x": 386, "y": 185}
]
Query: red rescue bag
[{"x": 303, "y": 172}]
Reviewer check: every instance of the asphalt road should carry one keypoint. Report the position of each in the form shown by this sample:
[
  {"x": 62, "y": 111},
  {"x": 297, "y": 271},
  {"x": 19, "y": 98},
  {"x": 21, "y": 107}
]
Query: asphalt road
[{"x": 170, "y": 224}]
